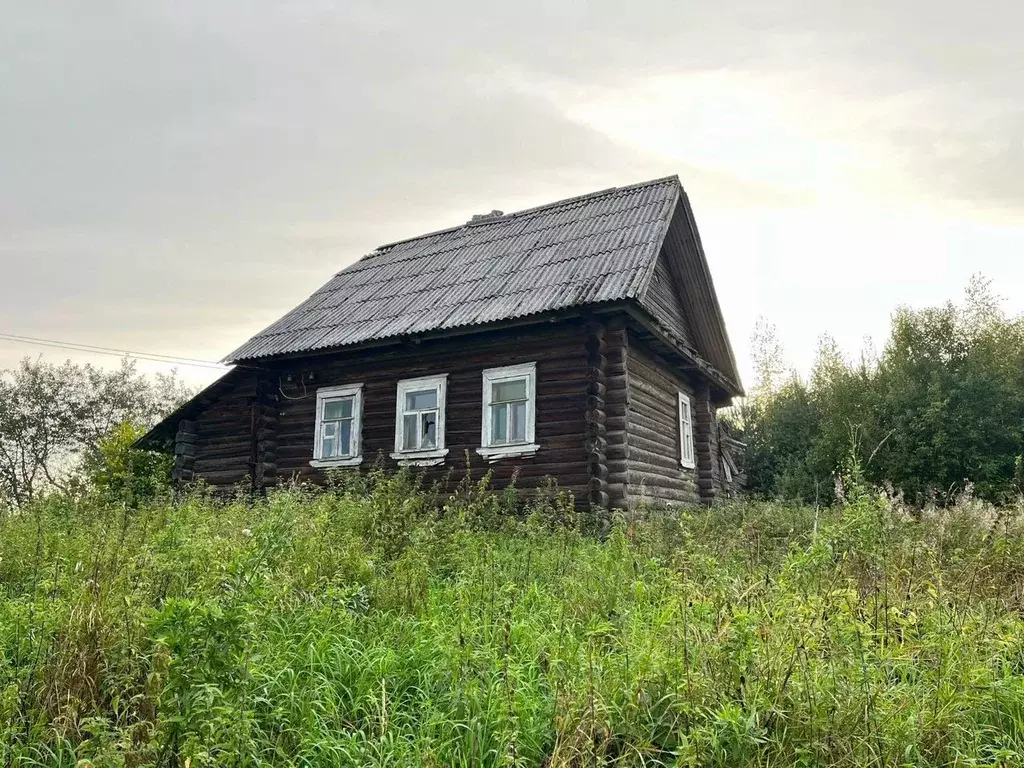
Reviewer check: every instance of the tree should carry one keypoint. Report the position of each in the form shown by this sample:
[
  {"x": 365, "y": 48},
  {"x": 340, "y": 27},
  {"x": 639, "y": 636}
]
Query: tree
[
  {"x": 943, "y": 404},
  {"x": 53, "y": 416},
  {"x": 951, "y": 391}
]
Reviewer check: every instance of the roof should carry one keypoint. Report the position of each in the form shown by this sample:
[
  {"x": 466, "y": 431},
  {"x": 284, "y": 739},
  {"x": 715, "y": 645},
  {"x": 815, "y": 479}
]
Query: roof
[{"x": 586, "y": 250}]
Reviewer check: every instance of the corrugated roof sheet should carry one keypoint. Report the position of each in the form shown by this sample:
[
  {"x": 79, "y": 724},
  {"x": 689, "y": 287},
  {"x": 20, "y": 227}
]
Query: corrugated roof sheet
[{"x": 585, "y": 250}]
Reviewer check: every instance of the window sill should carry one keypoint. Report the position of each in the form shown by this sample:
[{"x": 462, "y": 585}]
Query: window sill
[
  {"x": 355, "y": 461},
  {"x": 499, "y": 452},
  {"x": 420, "y": 458}
]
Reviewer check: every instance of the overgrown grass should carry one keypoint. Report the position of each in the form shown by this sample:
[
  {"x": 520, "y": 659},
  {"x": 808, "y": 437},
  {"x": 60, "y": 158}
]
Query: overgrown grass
[{"x": 368, "y": 625}]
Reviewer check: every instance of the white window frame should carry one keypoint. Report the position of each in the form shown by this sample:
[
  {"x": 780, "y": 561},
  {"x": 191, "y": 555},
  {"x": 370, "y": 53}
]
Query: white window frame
[
  {"x": 687, "y": 457},
  {"x": 324, "y": 396},
  {"x": 420, "y": 457},
  {"x": 529, "y": 447}
]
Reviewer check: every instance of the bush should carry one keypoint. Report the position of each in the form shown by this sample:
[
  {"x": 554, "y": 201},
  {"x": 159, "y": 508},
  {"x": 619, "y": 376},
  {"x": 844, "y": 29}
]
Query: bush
[{"x": 121, "y": 474}]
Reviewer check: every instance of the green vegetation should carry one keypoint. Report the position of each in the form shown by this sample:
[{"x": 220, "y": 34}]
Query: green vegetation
[
  {"x": 373, "y": 624},
  {"x": 58, "y": 422},
  {"x": 943, "y": 405}
]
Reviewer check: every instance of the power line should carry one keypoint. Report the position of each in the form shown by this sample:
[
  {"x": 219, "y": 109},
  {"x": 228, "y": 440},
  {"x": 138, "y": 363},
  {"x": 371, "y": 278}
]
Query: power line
[{"x": 93, "y": 349}]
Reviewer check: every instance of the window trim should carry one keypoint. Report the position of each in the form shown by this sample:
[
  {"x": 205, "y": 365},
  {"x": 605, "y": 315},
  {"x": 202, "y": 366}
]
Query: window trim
[
  {"x": 509, "y": 450},
  {"x": 687, "y": 458},
  {"x": 323, "y": 395},
  {"x": 419, "y": 457}
]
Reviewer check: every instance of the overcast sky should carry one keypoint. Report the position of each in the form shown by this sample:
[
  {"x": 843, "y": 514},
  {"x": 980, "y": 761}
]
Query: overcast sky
[{"x": 176, "y": 175}]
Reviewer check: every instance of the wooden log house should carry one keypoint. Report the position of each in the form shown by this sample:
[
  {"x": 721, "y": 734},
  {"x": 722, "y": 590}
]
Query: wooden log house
[{"x": 581, "y": 340}]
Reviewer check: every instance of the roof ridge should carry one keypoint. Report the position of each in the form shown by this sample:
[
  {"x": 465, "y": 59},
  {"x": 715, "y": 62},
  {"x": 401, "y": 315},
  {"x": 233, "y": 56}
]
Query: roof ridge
[
  {"x": 515, "y": 214},
  {"x": 643, "y": 284},
  {"x": 352, "y": 267}
]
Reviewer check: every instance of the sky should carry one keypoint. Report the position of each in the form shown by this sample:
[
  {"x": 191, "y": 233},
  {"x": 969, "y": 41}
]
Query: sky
[{"x": 174, "y": 176}]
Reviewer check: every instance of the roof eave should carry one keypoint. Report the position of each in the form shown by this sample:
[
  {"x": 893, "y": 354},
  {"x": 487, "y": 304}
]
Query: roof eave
[
  {"x": 163, "y": 431},
  {"x": 537, "y": 318},
  {"x": 629, "y": 306},
  {"x": 692, "y": 357}
]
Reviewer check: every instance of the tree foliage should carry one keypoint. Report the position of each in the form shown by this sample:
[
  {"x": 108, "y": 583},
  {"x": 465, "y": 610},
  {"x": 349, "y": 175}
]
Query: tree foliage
[
  {"x": 52, "y": 417},
  {"x": 943, "y": 405},
  {"x": 123, "y": 474}
]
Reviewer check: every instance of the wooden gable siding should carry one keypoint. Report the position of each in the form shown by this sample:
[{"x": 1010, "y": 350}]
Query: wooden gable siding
[
  {"x": 685, "y": 256},
  {"x": 225, "y": 443},
  {"x": 653, "y": 472},
  {"x": 663, "y": 299}
]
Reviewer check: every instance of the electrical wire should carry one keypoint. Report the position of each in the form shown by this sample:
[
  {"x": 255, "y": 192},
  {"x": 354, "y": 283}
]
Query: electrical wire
[
  {"x": 305, "y": 393},
  {"x": 93, "y": 349}
]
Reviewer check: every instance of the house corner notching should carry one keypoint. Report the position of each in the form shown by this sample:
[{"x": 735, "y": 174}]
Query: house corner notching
[
  {"x": 596, "y": 418},
  {"x": 579, "y": 340}
]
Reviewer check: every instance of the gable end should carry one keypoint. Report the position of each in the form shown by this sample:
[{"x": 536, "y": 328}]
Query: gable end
[{"x": 692, "y": 315}]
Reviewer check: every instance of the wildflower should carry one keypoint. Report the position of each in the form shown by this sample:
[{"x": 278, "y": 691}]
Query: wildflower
[{"x": 247, "y": 533}]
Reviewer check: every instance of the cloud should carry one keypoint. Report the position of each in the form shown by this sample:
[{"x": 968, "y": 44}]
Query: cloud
[{"x": 177, "y": 175}]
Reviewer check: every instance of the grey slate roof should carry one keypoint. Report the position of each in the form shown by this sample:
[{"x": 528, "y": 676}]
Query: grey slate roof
[{"x": 585, "y": 250}]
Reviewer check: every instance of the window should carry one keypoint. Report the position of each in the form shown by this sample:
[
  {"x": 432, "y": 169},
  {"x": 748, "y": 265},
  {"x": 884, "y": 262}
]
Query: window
[
  {"x": 339, "y": 426},
  {"x": 509, "y": 412},
  {"x": 419, "y": 421},
  {"x": 685, "y": 432}
]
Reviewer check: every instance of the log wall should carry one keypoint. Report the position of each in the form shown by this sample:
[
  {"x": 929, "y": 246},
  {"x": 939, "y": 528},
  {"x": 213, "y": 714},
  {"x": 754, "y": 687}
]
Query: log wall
[
  {"x": 705, "y": 443},
  {"x": 224, "y": 434},
  {"x": 184, "y": 452},
  {"x": 654, "y": 472},
  {"x": 595, "y": 418},
  {"x": 606, "y": 415},
  {"x": 617, "y": 412},
  {"x": 263, "y": 427}
]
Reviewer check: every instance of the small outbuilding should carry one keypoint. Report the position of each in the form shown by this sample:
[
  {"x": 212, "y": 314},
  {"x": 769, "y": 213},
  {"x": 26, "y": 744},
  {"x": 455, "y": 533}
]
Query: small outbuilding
[{"x": 581, "y": 340}]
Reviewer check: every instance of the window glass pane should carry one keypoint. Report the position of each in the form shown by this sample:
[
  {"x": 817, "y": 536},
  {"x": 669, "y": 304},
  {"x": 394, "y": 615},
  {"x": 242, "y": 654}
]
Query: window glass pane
[
  {"x": 517, "y": 426},
  {"x": 328, "y": 445},
  {"x": 345, "y": 438},
  {"x": 419, "y": 401},
  {"x": 409, "y": 433},
  {"x": 338, "y": 409},
  {"x": 506, "y": 391},
  {"x": 499, "y": 432},
  {"x": 429, "y": 430}
]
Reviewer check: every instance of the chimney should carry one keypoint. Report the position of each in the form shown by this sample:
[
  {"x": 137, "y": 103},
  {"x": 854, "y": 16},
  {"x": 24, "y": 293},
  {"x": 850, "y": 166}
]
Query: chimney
[{"x": 482, "y": 217}]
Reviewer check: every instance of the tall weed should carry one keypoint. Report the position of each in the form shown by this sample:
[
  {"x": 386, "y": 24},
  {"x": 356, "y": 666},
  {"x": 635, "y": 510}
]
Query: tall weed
[{"x": 381, "y": 623}]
